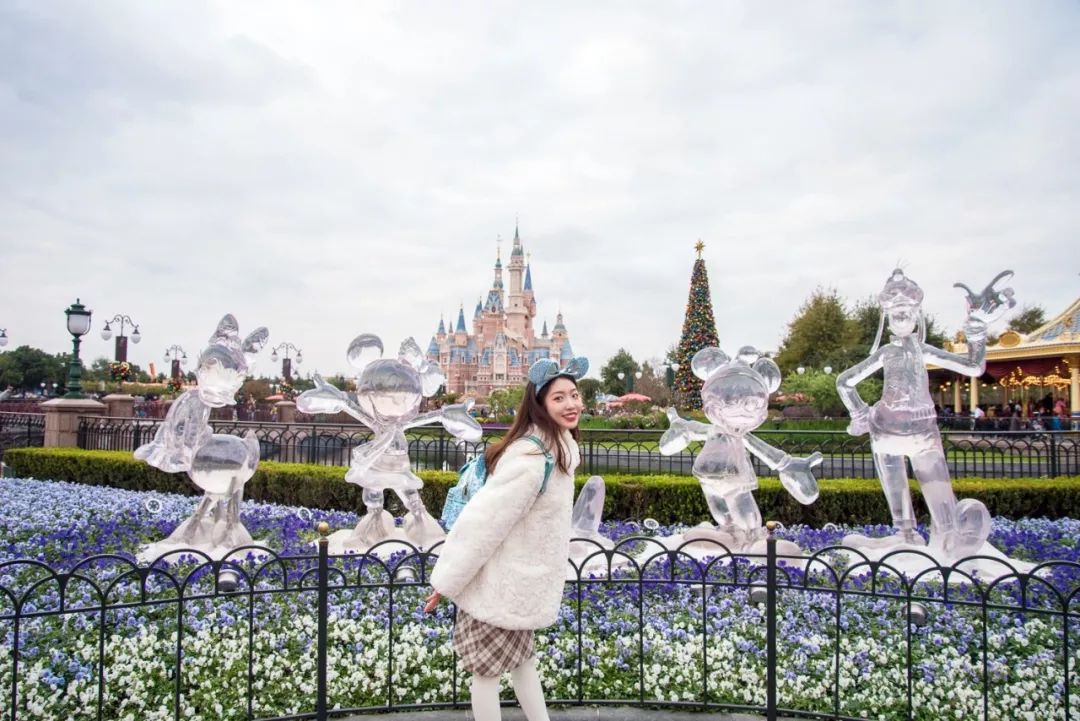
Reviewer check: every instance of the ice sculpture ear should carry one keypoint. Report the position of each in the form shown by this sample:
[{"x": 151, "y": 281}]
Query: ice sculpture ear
[
  {"x": 768, "y": 370},
  {"x": 254, "y": 342},
  {"x": 707, "y": 361},
  {"x": 411, "y": 355},
  {"x": 365, "y": 348},
  {"x": 227, "y": 329}
]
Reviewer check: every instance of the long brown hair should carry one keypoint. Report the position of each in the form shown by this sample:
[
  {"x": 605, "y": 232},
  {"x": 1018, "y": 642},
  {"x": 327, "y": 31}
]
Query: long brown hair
[{"x": 531, "y": 412}]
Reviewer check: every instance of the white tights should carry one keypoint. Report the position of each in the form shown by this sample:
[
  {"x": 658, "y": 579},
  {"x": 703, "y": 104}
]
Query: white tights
[{"x": 526, "y": 682}]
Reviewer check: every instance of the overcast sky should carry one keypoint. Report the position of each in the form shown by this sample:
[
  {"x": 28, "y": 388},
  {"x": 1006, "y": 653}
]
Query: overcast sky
[{"x": 327, "y": 169}]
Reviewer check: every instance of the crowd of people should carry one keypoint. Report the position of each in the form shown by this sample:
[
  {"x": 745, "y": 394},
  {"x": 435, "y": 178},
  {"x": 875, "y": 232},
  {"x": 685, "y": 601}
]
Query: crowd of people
[{"x": 1047, "y": 414}]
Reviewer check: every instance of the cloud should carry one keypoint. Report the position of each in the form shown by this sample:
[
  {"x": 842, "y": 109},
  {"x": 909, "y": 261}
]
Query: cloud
[{"x": 343, "y": 168}]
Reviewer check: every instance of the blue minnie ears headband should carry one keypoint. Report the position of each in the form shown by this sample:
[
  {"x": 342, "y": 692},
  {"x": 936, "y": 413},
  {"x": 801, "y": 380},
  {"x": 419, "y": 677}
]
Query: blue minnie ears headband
[{"x": 546, "y": 370}]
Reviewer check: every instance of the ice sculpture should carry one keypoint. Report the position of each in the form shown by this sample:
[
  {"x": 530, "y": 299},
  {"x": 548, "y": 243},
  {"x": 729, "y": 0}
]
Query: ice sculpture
[
  {"x": 903, "y": 424},
  {"x": 735, "y": 398},
  {"x": 587, "y": 544},
  {"x": 387, "y": 400},
  {"x": 219, "y": 464}
]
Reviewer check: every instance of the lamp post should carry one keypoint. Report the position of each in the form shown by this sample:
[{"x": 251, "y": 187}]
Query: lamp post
[
  {"x": 3, "y": 337},
  {"x": 286, "y": 362},
  {"x": 178, "y": 357},
  {"x": 121, "y": 339},
  {"x": 78, "y": 324},
  {"x": 630, "y": 379},
  {"x": 670, "y": 369}
]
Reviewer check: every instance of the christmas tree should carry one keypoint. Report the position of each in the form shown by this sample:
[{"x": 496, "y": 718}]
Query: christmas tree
[{"x": 698, "y": 331}]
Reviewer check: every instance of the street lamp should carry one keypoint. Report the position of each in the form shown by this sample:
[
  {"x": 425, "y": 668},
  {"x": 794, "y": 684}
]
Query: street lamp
[
  {"x": 78, "y": 324},
  {"x": 178, "y": 357},
  {"x": 3, "y": 337},
  {"x": 286, "y": 362},
  {"x": 669, "y": 374},
  {"x": 630, "y": 380},
  {"x": 121, "y": 339}
]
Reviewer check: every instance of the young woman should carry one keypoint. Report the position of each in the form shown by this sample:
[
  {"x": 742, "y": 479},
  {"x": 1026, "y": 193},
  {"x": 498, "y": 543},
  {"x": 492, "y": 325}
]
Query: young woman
[{"x": 504, "y": 562}]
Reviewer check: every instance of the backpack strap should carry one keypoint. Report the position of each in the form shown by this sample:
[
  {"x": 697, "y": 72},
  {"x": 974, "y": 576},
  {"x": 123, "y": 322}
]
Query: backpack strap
[{"x": 549, "y": 462}]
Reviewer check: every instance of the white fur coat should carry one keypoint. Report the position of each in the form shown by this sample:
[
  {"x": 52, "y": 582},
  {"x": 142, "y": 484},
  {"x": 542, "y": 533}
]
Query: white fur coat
[{"x": 504, "y": 561}]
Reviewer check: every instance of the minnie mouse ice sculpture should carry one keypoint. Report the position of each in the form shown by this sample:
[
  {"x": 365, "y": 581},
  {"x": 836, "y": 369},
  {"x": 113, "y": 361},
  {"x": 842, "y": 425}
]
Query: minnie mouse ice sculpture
[
  {"x": 219, "y": 464},
  {"x": 904, "y": 424},
  {"x": 735, "y": 398},
  {"x": 387, "y": 400}
]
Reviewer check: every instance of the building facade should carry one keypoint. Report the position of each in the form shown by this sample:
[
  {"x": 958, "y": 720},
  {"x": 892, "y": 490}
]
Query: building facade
[{"x": 502, "y": 343}]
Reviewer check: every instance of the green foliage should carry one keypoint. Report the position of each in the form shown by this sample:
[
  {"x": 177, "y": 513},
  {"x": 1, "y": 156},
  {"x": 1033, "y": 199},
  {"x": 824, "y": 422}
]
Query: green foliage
[
  {"x": 698, "y": 331},
  {"x": 1030, "y": 317},
  {"x": 820, "y": 389},
  {"x": 668, "y": 499},
  {"x": 26, "y": 368},
  {"x": 819, "y": 336},
  {"x": 257, "y": 388},
  {"x": 506, "y": 400},
  {"x": 621, "y": 362},
  {"x": 589, "y": 387}
]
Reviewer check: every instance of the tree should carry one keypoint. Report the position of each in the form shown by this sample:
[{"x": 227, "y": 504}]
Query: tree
[
  {"x": 864, "y": 318},
  {"x": 819, "y": 335},
  {"x": 621, "y": 362},
  {"x": 589, "y": 387},
  {"x": 698, "y": 331},
  {"x": 653, "y": 385},
  {"x": 820, "y": 388},
  {"x": 27, "y": 368},
  {"x": 1030, "y": 318},
  {"x": 506, "y": 399}
]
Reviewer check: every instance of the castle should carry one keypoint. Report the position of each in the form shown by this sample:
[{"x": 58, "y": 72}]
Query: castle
[{"x": 503, "y": 342}]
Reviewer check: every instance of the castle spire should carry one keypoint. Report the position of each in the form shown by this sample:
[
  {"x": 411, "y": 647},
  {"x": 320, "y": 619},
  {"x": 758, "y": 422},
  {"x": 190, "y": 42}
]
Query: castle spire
[
  {"x": 442, "y": 326},
  {"x": 518, "y": 250},
  {"x": 460, "y": 319},
  {"x": 498, "y": 264}
]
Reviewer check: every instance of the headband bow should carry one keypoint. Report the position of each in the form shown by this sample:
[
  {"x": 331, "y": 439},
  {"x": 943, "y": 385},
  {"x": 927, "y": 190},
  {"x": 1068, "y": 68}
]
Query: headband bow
[{"x": 546, "y": 370}]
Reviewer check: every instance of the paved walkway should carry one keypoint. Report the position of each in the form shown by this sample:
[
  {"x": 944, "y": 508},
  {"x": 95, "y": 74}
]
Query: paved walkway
[{"x": 576, "y": 713}]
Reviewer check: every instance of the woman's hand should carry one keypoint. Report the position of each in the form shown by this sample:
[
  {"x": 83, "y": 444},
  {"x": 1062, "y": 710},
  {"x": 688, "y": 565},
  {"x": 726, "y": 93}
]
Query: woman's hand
[{"x": 432, "y": 601}]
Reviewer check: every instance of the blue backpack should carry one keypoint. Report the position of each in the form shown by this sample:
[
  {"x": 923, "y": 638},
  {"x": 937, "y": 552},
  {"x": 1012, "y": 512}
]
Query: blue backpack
[{"x": 471, "y": 479}]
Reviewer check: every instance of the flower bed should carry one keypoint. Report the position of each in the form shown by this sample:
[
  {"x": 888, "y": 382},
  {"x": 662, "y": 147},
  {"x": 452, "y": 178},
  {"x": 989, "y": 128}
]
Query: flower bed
[{"x": 694, "y": 646}]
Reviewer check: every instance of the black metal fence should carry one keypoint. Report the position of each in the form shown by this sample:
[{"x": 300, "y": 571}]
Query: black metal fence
[
  {"x": 997, "y": 454},
  {"x": 820, "y": 637},
  {"x": 21, "y": 430}
]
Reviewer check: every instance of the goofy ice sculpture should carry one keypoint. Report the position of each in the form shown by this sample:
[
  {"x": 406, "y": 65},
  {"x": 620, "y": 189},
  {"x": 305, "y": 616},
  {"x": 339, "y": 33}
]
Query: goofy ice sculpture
[
  {"x": 903, "y": 423},
  {"x": 387, "y": 400},
  {"x": 735, "y": 398},
  {"x": 218, "y": 464}
]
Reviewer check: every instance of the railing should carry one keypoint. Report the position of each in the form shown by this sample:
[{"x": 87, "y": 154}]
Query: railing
[
  {"x": 1000, "y": 454},
  {"x": 21, "y": 430},
  {"x": 820, "y": 637}
]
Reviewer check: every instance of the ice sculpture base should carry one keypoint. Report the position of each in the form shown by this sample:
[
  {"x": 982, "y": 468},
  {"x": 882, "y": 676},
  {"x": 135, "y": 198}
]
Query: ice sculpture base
[
  {"x": 592, "y": 548},
  {"x": 911, "y": 560},
  {"x": 171, "y": 551},
  {"x": 706, "y": 541}
]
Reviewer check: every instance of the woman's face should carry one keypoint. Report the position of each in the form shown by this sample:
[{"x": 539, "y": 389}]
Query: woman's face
[{"x": 563, "y": 403}]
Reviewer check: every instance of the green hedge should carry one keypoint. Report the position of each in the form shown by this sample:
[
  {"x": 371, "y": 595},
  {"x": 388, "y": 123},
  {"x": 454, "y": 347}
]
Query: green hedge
[{"x": 668, "y": 499}]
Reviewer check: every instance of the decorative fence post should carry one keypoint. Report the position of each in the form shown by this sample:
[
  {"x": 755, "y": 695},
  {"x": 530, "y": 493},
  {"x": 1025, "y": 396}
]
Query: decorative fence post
[
  {"x": 770, "y": 622},
  {"x": 1055, "y": 470},
  {"x": 323, "y": 611}
]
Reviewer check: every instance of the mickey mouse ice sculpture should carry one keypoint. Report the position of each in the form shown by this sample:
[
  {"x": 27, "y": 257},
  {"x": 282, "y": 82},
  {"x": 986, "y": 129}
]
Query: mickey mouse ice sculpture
[
  {"x": 903, "y": 423},
  {"x": 219, "y": 464},
  {"x": 387, "y": 400},
  {"x": 735, "y": 398}
]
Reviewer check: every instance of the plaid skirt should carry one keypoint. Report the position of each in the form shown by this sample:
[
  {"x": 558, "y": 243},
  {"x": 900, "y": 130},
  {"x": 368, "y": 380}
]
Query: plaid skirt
[{"x": 487, "y": 650}]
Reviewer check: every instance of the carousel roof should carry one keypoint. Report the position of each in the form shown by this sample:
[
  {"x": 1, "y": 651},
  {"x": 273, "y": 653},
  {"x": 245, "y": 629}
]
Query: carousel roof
[{"x": 1059, "y": 337}]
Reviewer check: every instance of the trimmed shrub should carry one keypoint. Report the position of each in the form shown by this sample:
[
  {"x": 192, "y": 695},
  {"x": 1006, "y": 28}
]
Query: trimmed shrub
[{"x": 668, "y": 499}]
